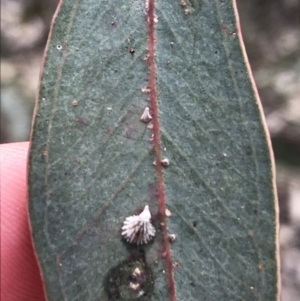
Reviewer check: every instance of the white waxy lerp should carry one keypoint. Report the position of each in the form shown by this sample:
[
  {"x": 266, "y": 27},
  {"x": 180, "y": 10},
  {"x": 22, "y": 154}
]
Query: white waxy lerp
[
  {"x": 138, "y": 229},
  {"x": 146, "y": 117}
]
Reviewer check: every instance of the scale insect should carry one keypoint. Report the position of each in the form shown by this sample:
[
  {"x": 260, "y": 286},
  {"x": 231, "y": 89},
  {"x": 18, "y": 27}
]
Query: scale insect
[
  {"x": 146, "y": 117},
  {"x": 137, "y": 229}
]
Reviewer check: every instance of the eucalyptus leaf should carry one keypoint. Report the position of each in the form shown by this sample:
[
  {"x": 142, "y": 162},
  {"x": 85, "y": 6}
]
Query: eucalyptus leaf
[{"x": 93, "y": 162}]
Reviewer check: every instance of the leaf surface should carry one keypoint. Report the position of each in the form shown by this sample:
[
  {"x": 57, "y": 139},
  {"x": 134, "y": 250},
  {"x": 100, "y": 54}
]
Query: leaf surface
[{"x": 91, "y": 160}]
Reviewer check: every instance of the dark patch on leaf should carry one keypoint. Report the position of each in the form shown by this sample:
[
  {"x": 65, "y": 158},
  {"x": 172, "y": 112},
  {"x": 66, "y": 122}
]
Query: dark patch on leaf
[{"x": 122, "y": 283}]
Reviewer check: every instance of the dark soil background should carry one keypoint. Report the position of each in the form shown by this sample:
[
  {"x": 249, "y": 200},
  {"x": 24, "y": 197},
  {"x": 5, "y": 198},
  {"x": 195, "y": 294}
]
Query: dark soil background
[{"x": 271, "y": 31}]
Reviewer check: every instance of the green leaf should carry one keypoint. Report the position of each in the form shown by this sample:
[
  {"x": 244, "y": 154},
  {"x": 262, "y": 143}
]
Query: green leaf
[{"x": 91, "y": 160}]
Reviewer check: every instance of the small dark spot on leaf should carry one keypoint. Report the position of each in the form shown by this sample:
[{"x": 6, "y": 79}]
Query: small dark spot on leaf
[
  {"x": 131, "y": 50},
  {"x": 113, "y": 23},
  {"x": 80, "y": 120},
  {"x": 153, "y": 191},
  {"x": 251, "y": 233},
  {"x": 129, "y": 280},
  {"x": 195, "y": 224},
  {"x": 249, "y": 151}
]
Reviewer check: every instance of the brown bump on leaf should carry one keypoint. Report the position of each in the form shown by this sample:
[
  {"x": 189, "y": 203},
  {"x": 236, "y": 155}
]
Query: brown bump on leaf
[
  {"x": 168, "y": 212},
  {"x": 165, "y": 162},
  {"x": 150, "y": 126},
  {"x": 172, "y": 237},
  {"x": 146, "y": 57},
  {"x": 136, "y": 272},
  {"x": 175, "y": 264},
  {"x": 134, "y": 286},
  {"x": 145, "y": 89},
  {"x": 183, "y": 3}
]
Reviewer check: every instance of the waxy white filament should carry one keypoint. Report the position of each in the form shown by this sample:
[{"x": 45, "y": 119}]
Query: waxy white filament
[{"x": 138, "y": 228}]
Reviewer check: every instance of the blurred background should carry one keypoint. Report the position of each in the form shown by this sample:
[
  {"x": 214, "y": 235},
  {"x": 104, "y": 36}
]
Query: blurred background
[{"x": 271, "y": 31}]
